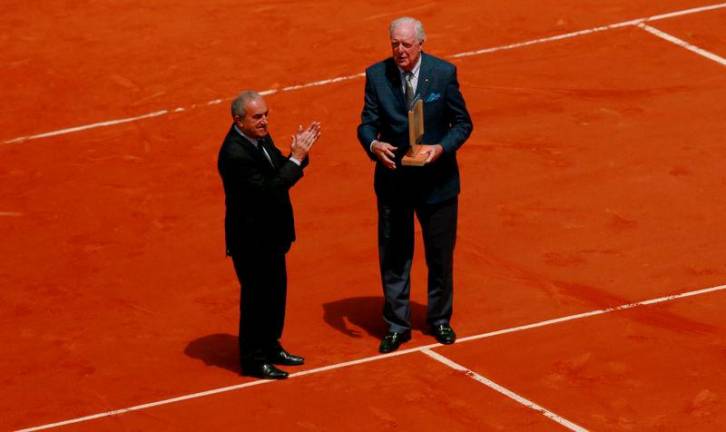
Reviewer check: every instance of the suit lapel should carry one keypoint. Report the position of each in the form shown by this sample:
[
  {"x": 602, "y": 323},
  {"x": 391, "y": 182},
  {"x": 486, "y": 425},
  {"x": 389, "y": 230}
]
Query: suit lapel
[
  {"x": 244, "y": 142},
  {"x": 393, "y": 77},
  {"x": 266, "y": 144},
  {"x": 251, "y": 149},
  {"x": 424, "y": 77}
]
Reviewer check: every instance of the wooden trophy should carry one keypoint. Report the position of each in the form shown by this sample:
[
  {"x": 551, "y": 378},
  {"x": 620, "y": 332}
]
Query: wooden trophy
[{"x": 414, "y": 157}]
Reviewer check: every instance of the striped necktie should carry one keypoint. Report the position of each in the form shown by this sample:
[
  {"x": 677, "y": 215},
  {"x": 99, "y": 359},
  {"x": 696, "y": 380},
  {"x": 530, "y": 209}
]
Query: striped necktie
[{"x": 410, "y": 93}]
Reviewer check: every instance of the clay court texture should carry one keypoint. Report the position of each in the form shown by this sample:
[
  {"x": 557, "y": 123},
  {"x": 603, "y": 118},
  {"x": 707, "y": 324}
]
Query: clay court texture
[{"x": 590, "y": 267}]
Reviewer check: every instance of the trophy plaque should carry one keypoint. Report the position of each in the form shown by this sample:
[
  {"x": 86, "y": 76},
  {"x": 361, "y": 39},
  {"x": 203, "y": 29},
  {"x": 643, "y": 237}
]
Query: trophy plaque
[{"x": 414, "y": 157}]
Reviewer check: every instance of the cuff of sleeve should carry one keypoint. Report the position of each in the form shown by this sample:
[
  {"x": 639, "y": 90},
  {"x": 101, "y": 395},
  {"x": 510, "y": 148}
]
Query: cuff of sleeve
[
  {"x": 370, "y": 146},
  {"x": 295, "y": 161}
]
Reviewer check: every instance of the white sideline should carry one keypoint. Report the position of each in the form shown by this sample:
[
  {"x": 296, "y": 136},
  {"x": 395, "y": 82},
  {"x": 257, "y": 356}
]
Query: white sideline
[
  {"x": 505, "y": 391},
  {"x": 377, "y": 357},
  {"x": 634, "y": 22},
  {"x": 683, "y": 44}
]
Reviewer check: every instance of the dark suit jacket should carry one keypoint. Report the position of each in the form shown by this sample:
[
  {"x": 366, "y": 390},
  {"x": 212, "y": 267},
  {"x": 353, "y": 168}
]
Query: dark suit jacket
[
  {"x": 259, "y": 216},
  {"x": 446, "y": 122}
]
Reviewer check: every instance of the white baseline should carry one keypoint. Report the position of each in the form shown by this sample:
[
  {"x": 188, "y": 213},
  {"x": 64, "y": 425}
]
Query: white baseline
[
  {"x": 633, "y": 22},
  {"x": 379, "y": 357}
]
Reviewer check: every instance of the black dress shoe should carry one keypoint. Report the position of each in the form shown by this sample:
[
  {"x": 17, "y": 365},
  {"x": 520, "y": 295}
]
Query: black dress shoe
[
  {"x": 283, "y": 357},
  {"x": 444, "y": 334},
  {"x": 264, "y": 370},
  {"x": 393, "y": 340}
]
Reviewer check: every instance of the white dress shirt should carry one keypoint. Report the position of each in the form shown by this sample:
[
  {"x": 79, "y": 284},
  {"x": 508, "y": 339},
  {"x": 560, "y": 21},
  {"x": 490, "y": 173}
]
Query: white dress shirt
[{"x": 414, "y": 81}]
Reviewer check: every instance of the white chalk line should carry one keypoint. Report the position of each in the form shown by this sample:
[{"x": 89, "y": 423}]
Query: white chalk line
[
  {"x": 683, "y": 44},
  {"x": 90, "y": 126},
  {"x": 378, "y": 357},
  {"x": 593, "y": 313},
  {"x": 633, "y": 22},
  {"x": 505, "y": 391},
  {"x": 175, "y": 110},
  {"x": 549, "y": 39}
]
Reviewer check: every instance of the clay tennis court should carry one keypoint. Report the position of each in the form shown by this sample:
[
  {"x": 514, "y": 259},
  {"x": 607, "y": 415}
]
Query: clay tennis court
[{"x": 590, "y": 266}]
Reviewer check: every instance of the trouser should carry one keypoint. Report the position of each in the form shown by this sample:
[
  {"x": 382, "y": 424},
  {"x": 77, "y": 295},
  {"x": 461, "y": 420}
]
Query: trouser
[
  {"x": 263, "y": 291},
  {"x": 395, "y": 247}
]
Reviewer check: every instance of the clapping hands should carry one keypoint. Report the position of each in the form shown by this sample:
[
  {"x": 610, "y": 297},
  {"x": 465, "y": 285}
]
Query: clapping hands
[{"x": 303, "y": 140}]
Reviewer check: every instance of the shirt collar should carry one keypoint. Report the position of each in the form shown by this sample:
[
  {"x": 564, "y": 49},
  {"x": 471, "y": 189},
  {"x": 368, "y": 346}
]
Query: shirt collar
[
  {"x": 415, "y": 69},
  {"x": 252, "y": 140}
]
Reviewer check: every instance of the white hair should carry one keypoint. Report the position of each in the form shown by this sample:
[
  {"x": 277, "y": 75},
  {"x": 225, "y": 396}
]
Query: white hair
[{"x": 420, "y": 33}]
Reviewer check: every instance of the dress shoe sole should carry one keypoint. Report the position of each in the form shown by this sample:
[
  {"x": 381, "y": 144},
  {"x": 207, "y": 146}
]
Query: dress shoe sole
[
  {"x": 287, "y": 363},
  {"x": 263, "y": 376}
]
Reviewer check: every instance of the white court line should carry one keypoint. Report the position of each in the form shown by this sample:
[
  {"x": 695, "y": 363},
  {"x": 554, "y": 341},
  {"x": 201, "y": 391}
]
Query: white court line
[
  {"x": 503, "y": 390},
  {"x": 686, "y": 12},
  {"x": 550, "y": 38},
  {"x": 359, "y": 75},
  {"x": 683, "y": 44},
  {"x": 175, "y": 110},
  {"x": 633, "y": 22},
  {"x": 593, "y": 313},
  {"x": 377, "y": 357},
  {"x": 91, "y": 126}
]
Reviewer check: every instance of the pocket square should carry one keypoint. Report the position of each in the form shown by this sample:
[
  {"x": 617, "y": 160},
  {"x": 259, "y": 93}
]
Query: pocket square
[{"x": 433, "y": 97}]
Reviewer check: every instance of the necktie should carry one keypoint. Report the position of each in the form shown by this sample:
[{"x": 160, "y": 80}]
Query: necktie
[
  {"x": 261, "y": 149},
  {"x": 408, "y": 80}
]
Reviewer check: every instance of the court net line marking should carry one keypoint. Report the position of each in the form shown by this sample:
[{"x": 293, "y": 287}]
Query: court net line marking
[
  {"x": 635, "y": 22},
  {"x": 377, "y": 357},
  {"x": 505, "y": 391},
  {"x": 683, "y": 44}
]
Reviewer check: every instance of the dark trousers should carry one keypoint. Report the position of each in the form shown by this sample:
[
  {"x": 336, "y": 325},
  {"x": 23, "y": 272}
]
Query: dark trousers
[
  {"x": 263, "y": 283},
  {"x": 395, "y": 248}
]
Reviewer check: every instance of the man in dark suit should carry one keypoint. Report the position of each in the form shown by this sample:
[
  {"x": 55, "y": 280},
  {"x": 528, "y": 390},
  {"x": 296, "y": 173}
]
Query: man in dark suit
[
  {"x": 259, "y": 228},
  {"x": 430, "y": 191}
]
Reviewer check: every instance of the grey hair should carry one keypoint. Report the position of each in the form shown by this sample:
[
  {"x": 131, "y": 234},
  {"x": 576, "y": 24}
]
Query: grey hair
[
  {"x": 239, "y": 103},
  {"x": 420, "y": 33}
]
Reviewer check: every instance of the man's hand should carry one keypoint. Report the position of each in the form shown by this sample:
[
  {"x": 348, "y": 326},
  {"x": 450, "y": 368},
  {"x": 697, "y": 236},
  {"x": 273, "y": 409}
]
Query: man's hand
[
  {"x": 433, "y": 151},
  {"x": 303, "y": 140},
  {"x": 385, "y": 153}
]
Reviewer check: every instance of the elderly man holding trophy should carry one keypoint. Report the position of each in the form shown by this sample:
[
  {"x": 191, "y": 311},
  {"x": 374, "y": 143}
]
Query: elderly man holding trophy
[{"x": 414, "y": 120}]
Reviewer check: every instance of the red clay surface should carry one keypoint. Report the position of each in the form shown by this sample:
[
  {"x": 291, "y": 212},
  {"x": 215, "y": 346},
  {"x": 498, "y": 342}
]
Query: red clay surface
[
  {"x": 645, "y": 369},
  {"x": 434, "y": 398},
  {"x": 594, "y": 178},
  {"x": 698, "y": 30}
]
